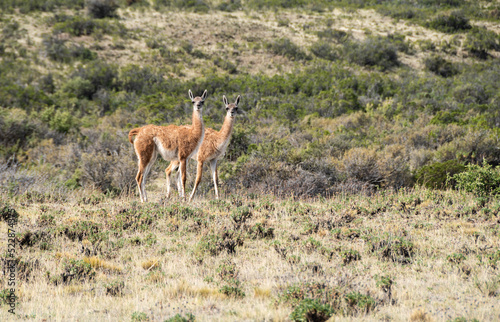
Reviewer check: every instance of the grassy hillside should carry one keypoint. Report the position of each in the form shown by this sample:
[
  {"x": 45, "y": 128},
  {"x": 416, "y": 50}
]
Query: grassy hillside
[{"x": 361, "y": 179}]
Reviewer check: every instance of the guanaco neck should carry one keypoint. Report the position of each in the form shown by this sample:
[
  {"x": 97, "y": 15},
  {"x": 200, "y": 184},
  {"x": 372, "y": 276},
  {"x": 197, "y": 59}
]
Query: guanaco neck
[
  {"x": 227, "y": 128},
  {"x": 198, "y": 128}
]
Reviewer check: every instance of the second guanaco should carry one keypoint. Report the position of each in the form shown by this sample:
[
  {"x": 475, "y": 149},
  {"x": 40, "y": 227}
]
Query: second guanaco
[{"x": 212, "y": 149}]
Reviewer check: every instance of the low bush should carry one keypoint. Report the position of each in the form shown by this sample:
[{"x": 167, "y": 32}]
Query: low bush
[
  {"x": 311, "y": 310},
  {"x": 374, "y": 51},
  {"x": 482, "y": 181},
  {"x": 361, "y": 164},
  {"x": 84, "y": 26},
  {"x": 395, "y": 249},
  {"x": 324, "y": 50},
  {"x": 179, "y": 318},
  {"x": 358, "y": 303},
  {"x": 102, "y": 8},
  {"x": 440, "y": 66},
  {"x": 193, "y": 5},
  {"x": 454, "y": 22},
  {"x": 480, "y": 40},
  {"x": 436, "y": 175},
  {"x": 285, "y": 47},
  {"x": 58, "y": 49},
  {"x": 339, "y": 36},
  {"x": 8, "y": 214},
  {"x": 229, "y": 6}
]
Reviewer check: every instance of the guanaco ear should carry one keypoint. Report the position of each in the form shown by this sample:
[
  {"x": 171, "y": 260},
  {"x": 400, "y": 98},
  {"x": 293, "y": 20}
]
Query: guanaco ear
[
  {"x": 191, "y": 95},
  {"x": 204, "y": 96},
  {"x": 237, "y": 100},
  {"x": 224, "y": 99}
]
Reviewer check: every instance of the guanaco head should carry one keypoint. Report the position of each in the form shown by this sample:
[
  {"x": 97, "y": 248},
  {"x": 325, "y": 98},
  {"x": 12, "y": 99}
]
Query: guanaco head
[
  {"x": 198, "y": 101},
  {"x": 232, "y": 108}
]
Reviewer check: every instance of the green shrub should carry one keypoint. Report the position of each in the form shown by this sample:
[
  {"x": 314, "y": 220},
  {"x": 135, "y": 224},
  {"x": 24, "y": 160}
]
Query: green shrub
[
  {"x": 214, "y": 244},
  {"x": 385, "y": 282},
  {"x": 482, "y": 181},
  {"x": 374, "y": 51},
  {"x": 359, "y": 303},
  {"x": 494, "y": 259},
  {"x": 261, "y": 4},
  {"x": 349, "y": 256},
  {"x": 296, "y": 293},
  {"x": 232, "y": 289},
  {"x": 440, "y": 66},
  {"x": 401, "y": 12},
  {"x": 179, "y": 318},
  {"x": 102, "y": 8},
  {"x": 193, "y": 5},
  {"x": 76, "y": 270},
  {"x": 81, "y": 26},
  {"x": 456, "y": 258},
  {"x": 287, "y": 48},
  {"x": 76, "y": 26},
  {"x": 229, "y": 6},
  {"x": 324, "y": 50},
  {"x": 399, "y": 41},
  {"x": 435, "y": 175},
  {"x": 480, "y": 40},
  {"x": 139, "y": 317},
  {"x": 115, "y": 288},
  {"x": 395, "y": 249},
  {"x": 226, "y": 65},
  {"x": 8, "y": 214},
  {"x": 27, "y": 6},
  {"x": 311, "y": 310},
  {"x": 58, "y": 50},
  {"x": 333, "y": 34},
  {"x": 454, "y": 22}
]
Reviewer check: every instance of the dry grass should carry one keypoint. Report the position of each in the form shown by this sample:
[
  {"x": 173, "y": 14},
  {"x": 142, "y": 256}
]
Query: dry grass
[{"x": 168, "y": 277}]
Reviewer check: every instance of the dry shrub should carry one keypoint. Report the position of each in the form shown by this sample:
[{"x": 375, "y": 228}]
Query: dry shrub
[
  {"x": 394, "y": 165},
  {"x": 108, "y": 172},
  {"x": 361, "y": 164},
  {"x": 41, "y": 182},
  {"x": 281, "y": 179},
  {"x": 420, "y": 316},
  {"x": 471, "y": 147},
  {"x": 432, "y": 136},
  {"x": 419, "y": 157},
  {"x": 109, "y": 162}
]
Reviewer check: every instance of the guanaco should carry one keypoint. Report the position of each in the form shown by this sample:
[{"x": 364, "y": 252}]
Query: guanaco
[
  {"x": 173, "y": 143},
  {"x": 212, "y": 149}
]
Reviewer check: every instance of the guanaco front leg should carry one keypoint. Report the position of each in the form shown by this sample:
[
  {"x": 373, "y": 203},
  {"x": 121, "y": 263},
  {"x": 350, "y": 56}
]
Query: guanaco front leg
[
  {"x": 198, "y": 178},
  {"x": 213, "y": 167},
  {"x": 182, "y": 177}
]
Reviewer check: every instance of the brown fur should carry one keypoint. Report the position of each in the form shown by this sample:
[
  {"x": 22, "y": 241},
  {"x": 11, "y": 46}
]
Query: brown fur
[
  {"x": 213, "y": 148},
  {"x": 173, "y": 143},
  {"x": 133, "y": 133}
]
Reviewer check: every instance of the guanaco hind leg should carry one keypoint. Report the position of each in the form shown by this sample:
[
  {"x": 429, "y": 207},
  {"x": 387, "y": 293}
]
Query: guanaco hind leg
[
  {"x": 174, "y": 165},
  {"x": 145, "y": 164},
  {"x": 198, "y": 179}
]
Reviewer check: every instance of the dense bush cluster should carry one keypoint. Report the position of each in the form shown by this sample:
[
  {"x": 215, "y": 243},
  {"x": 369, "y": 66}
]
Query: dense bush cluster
[{"x": 349, "y": 114}]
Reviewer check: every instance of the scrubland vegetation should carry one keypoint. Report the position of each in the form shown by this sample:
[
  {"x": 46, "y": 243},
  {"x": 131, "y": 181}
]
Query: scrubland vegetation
[{"x": 361, "y": 181}]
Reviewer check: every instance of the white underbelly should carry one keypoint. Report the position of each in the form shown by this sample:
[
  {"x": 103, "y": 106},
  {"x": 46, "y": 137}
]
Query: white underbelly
[
  {"x": 195, "y": 151},
  {"x": 166, "y": 154}
]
